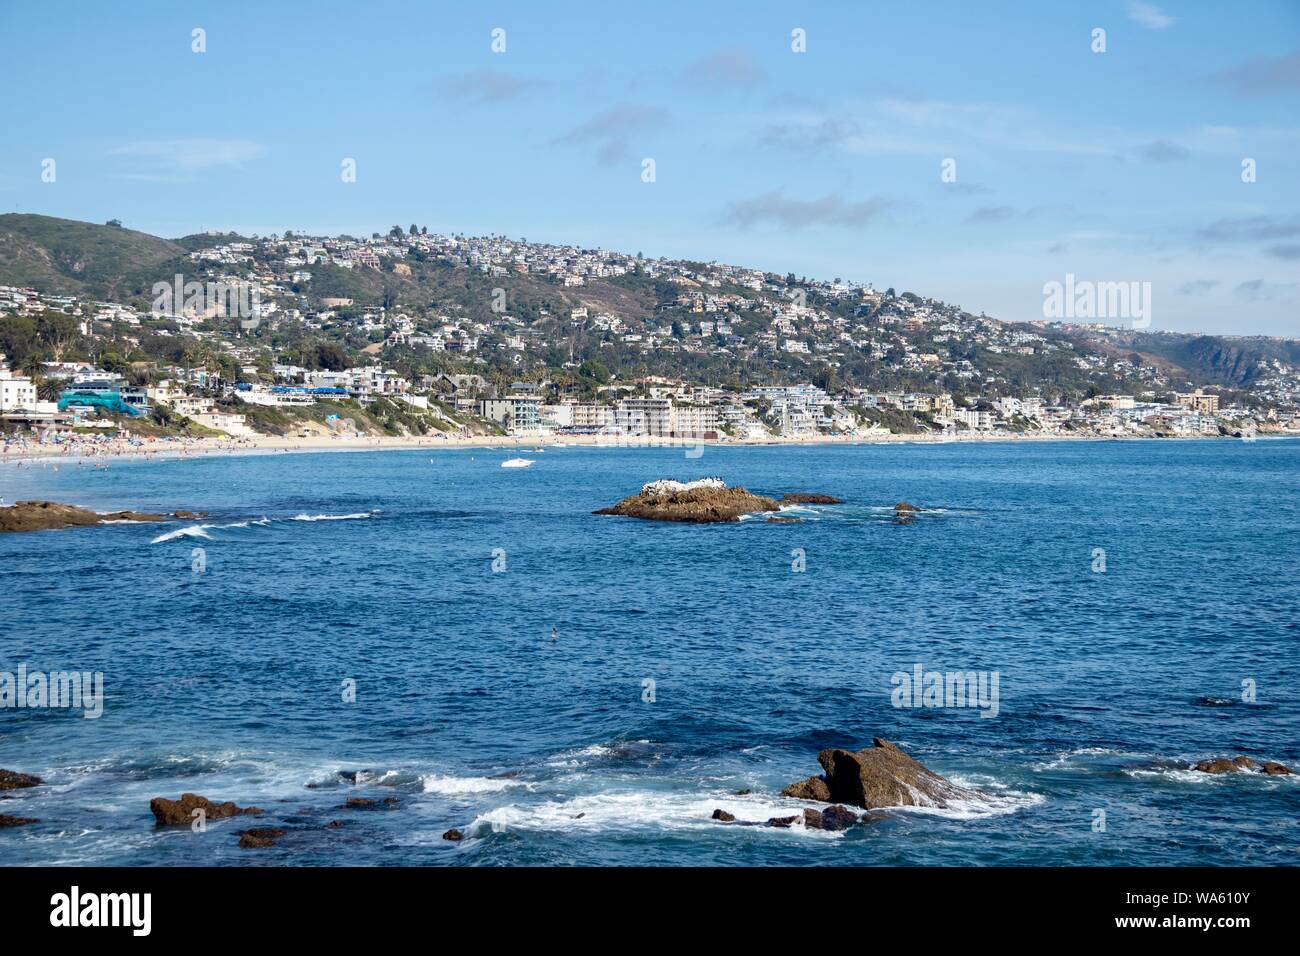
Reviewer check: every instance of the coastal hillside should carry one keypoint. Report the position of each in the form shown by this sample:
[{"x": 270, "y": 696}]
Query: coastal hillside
[
  {"x": 1235, "y": 362},
  {"x": 66, "y": 256},
  {"x": 511, "y": 309}
]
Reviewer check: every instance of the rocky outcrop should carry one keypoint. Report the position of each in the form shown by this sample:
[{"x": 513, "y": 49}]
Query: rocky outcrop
[
  {"x": 707, "y": 501},
  {"x": 1238, "y": 764},
  {"x": 13, "y": 780},
  {"x": 877, "y": 776},
  {"x": 176, "y": 812},
  {"x": 809, "y": 498},
  {"x": 905, "y": 513},
  {"x": 259, "y": 837},
  {"x": 832, "y": 818},
  {"x": 8, "y": 821},
  {"x": 838, "y": 818},
  {"x": 814, "y": 788},
  {"x": 44, "y": 515}
]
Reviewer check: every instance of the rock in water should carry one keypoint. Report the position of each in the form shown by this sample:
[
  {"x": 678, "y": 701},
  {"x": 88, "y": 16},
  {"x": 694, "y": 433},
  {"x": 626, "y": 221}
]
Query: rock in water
[
  {"x": 13, "y": 780},
  {"x": 176, "y": 812},
  {"x": 723, "y": 815},
  {"x": 838, "y": 818},
  {"x": 1238, "y": 764},
  {"x": 453, "y": 834},
  {"x": 43, "y": 515},
  {"x": 814, "y": 788},
  {"x": 809, "y": 498},
  {"x": 367, "y": 803},
  {"x": 259, "y": 837},
  {"x": 878, "y": 776},
  {"x": 704, "y": 502},
  {"x": 8, "y": 821}
]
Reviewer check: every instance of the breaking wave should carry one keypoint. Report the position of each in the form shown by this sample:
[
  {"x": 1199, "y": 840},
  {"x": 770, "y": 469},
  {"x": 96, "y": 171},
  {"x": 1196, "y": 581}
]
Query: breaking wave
[{"x": 202, "y": 530}]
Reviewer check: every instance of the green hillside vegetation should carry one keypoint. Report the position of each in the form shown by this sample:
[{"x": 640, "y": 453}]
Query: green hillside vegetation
[{"x": 62, "y": 255}]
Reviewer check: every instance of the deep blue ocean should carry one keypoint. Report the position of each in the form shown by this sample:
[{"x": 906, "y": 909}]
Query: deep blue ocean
[{"x": 512, "y": 703}]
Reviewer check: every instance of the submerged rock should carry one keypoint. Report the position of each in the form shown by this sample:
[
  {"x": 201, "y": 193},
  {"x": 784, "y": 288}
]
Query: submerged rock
[
  {"x": 809, "y": 498},
  {"x": 784, "y": 520},
  {"x": 367, "y": 803},
  {"x": 878, "y": 776},
  {"x": 355, "y": 776},
  {"x": 259, "y": 837},
  {"x": 176, "y": 812},
  {"x": 1238, "y": 764},
  {"x": 8, "y": 821},
  {"x": 44, "y": 515},
  {"x": 453, "y": 834},
  {"x": 707, "y": 501},
  {"x": 13, "y": 780}
]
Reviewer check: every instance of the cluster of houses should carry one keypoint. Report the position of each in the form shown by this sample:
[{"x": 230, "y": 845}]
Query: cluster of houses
[
  {"x": 710, "y": 309},
  {"x": 649, "y": 407}
]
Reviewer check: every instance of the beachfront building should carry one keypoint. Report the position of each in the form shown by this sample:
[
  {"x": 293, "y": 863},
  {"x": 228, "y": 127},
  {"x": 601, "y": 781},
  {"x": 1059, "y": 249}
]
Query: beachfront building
[
  {"x": 645, "y": 416},
  {"x": 695, "y": 421},
  {"x": 233, "y": 425},
  {"x": 520, "y": 414},
  {"x": 17, "y": 392},
  {"x": 979, "y": 420},
  {"x": 1199, "y": 402}
]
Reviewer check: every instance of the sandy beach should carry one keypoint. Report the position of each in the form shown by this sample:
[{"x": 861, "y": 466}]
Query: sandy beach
[{"x": 101, "y": 449}]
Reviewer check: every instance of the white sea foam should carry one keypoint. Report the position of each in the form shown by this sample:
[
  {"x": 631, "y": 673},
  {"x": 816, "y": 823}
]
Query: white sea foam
[
  {"x": 573, "y": 758},
  {"x": 193, "y": 531},
  {"x": 436, "y": 783},
  {"x": 351, "y": 517},
  {"x": 1188, "y": 775},
  {"x": 993, "y": 804},
  {"x": 628, "y": 810},
  {"x": 201, "y": 530},
  {"x": 1067, "y": 757}
]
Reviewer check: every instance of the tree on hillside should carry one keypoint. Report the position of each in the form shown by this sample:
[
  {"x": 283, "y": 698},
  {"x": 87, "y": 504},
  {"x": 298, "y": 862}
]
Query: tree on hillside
[{"x": 331, "y": 357}]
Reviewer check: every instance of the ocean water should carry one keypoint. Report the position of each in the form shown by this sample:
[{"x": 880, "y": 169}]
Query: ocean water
[{"x": 512, "y": 703}]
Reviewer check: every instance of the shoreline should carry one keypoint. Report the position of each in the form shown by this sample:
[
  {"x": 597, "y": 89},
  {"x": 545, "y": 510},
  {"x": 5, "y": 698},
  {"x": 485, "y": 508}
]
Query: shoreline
[{"x": 95, "y": 452}]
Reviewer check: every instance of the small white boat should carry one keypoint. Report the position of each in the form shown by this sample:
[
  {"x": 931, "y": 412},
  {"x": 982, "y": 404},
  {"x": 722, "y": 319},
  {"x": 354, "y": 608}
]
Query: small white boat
[{"x": 516, "y": 463}]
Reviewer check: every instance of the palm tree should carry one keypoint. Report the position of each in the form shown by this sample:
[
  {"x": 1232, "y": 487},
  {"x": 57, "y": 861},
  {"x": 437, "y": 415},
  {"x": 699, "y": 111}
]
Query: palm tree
[{"x": 33, "y": 367}]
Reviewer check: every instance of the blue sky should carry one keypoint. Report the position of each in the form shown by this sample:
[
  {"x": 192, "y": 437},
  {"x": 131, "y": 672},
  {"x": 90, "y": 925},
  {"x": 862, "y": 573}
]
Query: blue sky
[{"x": 1122, "y": 165}]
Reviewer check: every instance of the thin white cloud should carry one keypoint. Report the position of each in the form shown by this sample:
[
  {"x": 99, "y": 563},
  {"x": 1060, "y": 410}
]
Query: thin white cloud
[
  {"x": 731, "y": 66},
  {"x": 192, "y": 155},
  {"x": 831, "y": 210},
  {"x": 1149, "y": 16}
]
